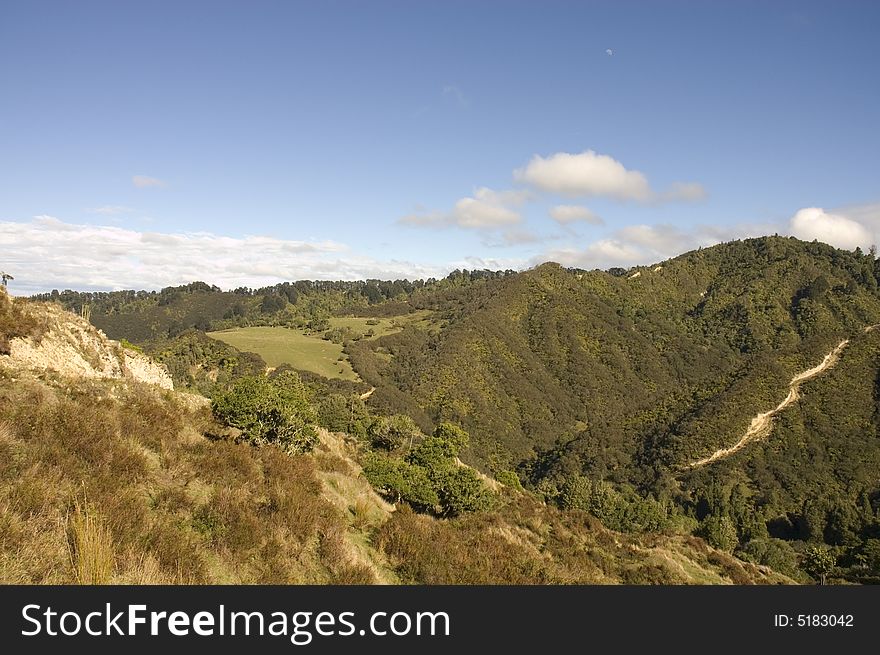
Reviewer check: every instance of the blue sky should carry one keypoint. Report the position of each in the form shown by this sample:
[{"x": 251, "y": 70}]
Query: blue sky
[{"x": 143, "y": 145}]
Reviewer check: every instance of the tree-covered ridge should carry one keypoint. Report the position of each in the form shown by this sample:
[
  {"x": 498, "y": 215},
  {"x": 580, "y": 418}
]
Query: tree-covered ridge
[
  {"x": 623, "y": 378},
  {"x": 142, "y": 316}
]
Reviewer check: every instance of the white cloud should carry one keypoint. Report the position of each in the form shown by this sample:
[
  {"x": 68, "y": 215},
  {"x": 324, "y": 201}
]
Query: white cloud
[
  {"x": 494, "y": 264},
  {"x": 591, "y": 174},
  {"x": 645, "y": 244},
  {"x": 145, "y": 181},
  {"x": 837, "y": 230},
  {"x": 47, "y": 253},
  {"x": 486, "y": 209},
  {"x": 475, "y": 213},
  {"x": 512, "y": 197},
  {"x": 565, "y": 214},
  {"x": 512, "y": 237},
  {"x": 111, "y": 210},
  {"x": 584, "y": 174}
]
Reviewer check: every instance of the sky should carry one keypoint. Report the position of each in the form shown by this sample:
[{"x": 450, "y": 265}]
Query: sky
[{"x": 144, "y": 145}]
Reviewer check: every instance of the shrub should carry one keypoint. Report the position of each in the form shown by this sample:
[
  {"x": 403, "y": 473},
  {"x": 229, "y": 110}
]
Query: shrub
[
  {"x": 509, "y": 479},
  {"x": 401, "y": 481},
  {"x": 624, "y": 511},
  {"x": 775, "y": 553},
  {"x": 454, "y": 435},
  {"x": 462, "y": 491},
  {"x": 434, "y": 454},
  {"x": 341, "y": 413},
  {"x": 270, "y": 411}
]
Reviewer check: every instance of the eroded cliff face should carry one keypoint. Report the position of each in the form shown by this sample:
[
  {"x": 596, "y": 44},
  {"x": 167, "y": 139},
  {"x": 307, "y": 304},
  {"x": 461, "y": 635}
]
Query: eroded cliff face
[{"x": 48, "y": 338}]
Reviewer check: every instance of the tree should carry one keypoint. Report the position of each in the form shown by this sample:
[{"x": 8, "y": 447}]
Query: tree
[
  {"x": 272, "y": 303},
  {"x": 819, "y": 561},
  {"x": 401, "y": 481},
  {"x": 435, "y": 454},
  {"x": 273, "y": 411},
  {"x": 457, "y": 438},
  {"x": 393, "y": 432},
  {"x": 343, "y": 413}
]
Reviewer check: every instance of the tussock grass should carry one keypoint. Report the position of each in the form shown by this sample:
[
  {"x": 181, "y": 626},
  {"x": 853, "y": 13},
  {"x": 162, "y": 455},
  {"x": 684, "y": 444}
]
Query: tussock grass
[{"x": 91, "y": 547}]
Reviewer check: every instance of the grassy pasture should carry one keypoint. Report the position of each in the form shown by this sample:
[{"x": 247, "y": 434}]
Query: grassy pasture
[
  {"x": 278, "y": 345},
  {"x": 310, "y": 352}
]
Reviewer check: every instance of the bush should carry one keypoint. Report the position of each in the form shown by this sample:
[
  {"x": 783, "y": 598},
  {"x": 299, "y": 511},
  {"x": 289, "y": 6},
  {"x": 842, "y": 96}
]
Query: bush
[
  {"x": 341, "y": 413},
  {"x": 434, "y": 454},
  {"x": 429, "y": 477},
  {"x": 775, "y": 553},
  {"x": 462, "y": 491},
  {"x": 509, "y": 479},
  {"x": 270, "y": 411},
  {"x": 624, "y": 511},
  {"x": 719, "y": 532},
  {"x": 457, "y": 438}
]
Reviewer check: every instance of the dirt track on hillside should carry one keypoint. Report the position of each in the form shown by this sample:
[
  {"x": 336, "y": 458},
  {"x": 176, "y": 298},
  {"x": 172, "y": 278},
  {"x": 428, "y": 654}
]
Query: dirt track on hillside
[{"x": 762, "y": 424}]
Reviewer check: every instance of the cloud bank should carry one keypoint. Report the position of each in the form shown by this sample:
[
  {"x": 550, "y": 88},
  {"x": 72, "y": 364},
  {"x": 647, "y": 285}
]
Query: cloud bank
[{"x": 47, "y": 253}]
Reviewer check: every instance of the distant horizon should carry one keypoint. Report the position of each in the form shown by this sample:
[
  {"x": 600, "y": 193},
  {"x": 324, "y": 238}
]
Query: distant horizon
[
  {"x": 253, "y": 143},
  {"x": 532, "y": 266}
]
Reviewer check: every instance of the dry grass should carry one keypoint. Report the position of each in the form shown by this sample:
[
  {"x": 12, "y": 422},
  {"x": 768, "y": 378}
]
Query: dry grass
[
  {"x": 18, "y": 320},
  {"x": 527, "y": 543},
  {"x": 175, "y": 507},
  {"x": 91, "y": 548}
]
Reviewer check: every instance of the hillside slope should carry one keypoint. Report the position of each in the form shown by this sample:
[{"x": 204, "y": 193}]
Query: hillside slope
[
  {"x": 628, "y": 379},
  {"x": 42, "y": 337},
  {"x": 104, "y": 478}
]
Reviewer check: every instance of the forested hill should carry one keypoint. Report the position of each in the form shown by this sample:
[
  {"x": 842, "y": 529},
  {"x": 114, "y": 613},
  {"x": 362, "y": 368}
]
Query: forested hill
[
  {"x": 659, "y": 363},
  {"x": 627, "y": 378}
]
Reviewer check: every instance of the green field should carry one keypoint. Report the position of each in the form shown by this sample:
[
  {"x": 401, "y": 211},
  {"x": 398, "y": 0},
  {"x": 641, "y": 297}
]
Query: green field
[
  {"x": 278, "y": 345},
  {"x": 421, "y": 319},
  {"x": 310, "y": 352}
]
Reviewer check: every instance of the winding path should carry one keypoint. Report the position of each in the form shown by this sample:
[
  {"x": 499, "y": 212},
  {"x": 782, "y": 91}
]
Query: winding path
[{"x": 762, "y": 424}]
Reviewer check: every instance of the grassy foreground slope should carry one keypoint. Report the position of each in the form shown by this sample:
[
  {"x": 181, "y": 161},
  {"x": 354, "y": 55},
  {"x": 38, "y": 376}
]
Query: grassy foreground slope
[{"x": 166, "y": 504}]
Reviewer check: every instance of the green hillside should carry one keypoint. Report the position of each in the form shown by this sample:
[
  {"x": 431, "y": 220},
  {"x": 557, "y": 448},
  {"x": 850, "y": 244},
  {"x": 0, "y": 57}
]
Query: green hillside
[
  {"x": 627, "y": 379},
  {"x": 599, "y": 389}
]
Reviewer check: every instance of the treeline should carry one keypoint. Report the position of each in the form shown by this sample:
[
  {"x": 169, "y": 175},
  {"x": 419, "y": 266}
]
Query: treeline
[{"x": 144, "y": 316}]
